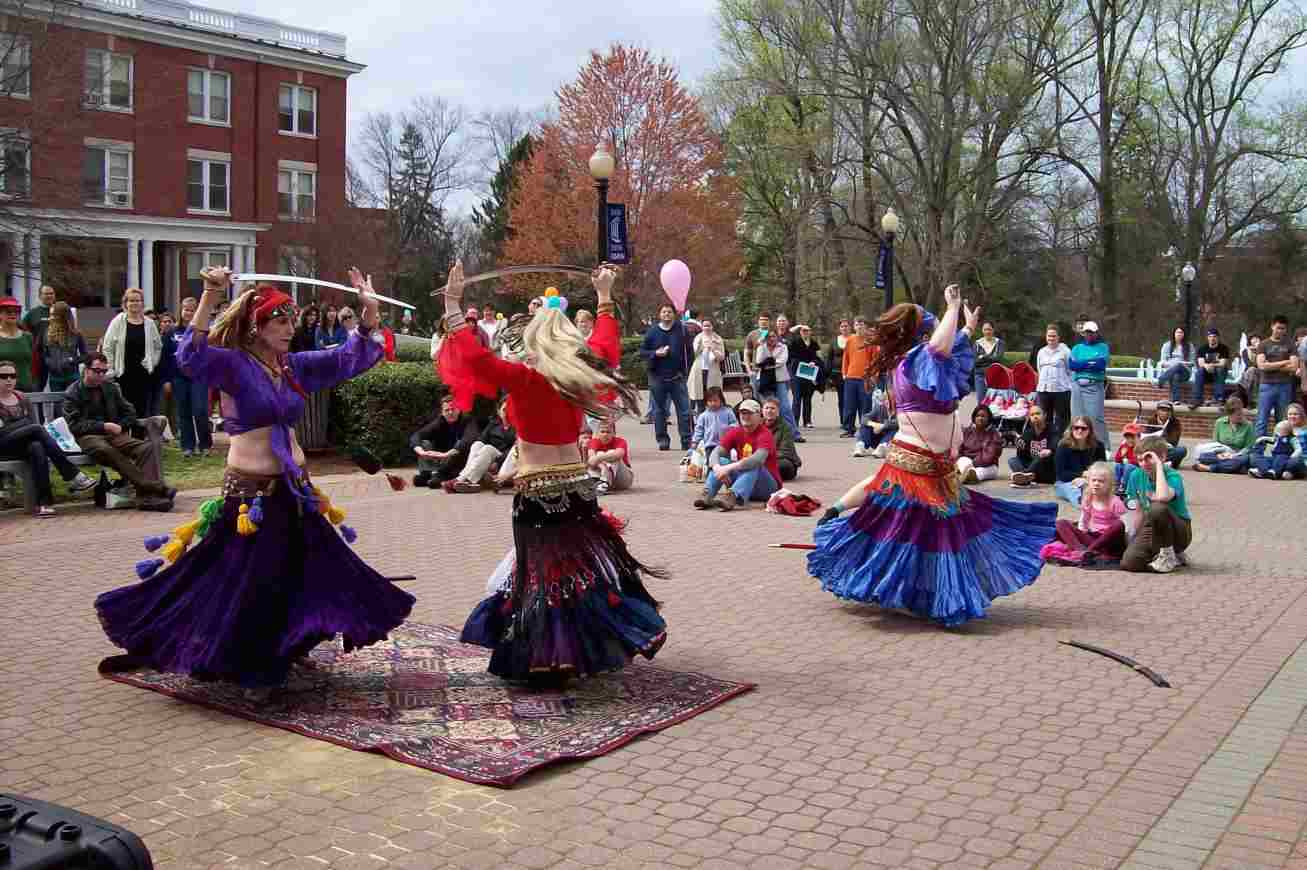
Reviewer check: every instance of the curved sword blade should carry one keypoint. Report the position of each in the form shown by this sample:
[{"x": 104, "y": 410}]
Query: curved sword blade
[
  {"x": 295, "y": 279},
  {"x": 519, "y": 270}
]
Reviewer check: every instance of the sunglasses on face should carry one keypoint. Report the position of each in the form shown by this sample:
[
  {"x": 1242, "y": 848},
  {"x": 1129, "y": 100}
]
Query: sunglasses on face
[
  {"x": 99, "y": 371},
  {"x": 348, "y": 317},
  {"x": 8, "y": 376},
  {"x": 1079, "y": 428}
]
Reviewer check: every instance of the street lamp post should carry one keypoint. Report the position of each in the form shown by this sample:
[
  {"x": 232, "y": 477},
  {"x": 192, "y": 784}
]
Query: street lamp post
[
  {"x": 1187, "y": 275},
  {"x": 601, "y": 169},
  {"x": 889, "y": 225}
]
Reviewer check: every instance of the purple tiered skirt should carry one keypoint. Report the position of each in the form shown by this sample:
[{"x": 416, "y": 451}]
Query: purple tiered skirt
[
  {"x": 923, "y": 543},
  {"x": 243, "y": 608}
]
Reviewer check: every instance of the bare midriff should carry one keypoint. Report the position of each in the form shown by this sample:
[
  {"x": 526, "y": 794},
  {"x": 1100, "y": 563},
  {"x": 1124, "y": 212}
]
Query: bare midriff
[
  {"x": 533, "y": 457},
  {"x": 938, "y": 433},
  {"x": 251, "y": 452}
]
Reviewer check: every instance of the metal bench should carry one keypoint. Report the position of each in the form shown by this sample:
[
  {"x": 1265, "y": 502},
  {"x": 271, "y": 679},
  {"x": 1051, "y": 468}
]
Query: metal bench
[
  {"x": 734, "y": 369},
  {"x": 45, "y": 408}
]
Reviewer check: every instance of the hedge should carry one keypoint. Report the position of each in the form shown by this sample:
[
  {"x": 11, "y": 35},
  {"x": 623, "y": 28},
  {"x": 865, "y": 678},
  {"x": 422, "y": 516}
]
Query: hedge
[
  {"x": 1117, "y": 361},
  {"x": 380, "y": 408},
  {"x": 412, "y": 348}
]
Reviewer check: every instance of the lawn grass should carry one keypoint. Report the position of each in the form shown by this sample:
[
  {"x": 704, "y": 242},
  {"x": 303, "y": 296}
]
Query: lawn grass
[{"x": 199, "y": 472}]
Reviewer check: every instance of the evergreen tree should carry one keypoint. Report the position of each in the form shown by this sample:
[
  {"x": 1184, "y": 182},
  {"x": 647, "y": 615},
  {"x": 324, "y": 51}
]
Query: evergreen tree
[{"x": 493, "y": 215}]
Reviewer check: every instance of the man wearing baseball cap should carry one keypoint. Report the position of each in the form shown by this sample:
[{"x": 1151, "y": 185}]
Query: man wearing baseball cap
[
  {"x": 1213, "y": 366},
  {"x": 1089, "y": 380},
  {"x": 755, "y": 474}
]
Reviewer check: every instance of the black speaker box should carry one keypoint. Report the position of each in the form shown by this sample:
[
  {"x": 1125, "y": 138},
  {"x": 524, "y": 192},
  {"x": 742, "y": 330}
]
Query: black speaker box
[{"x": 35, "y": 835}]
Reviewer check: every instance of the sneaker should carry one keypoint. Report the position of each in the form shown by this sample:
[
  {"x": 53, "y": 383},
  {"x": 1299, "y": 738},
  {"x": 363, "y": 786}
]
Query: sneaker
[
  {"x": 664, "y": 445},
  {"x": 860, "y": 449},
  {"x": 970, "y": 476},
  {"x": 1287, "y": 475},
  {"x": 422, "y": 478},
  {"x": 188, "y": 454},
  {"x": 464, "y": 486},
  {"x": 1165, "y": 562},
  {"x": 846, "y": 434},
  {"x": 1255, "y": 472},
  {"x": 45, "y": 511},
  {"x": 602, "y": 488},
  {"x": 799, "y": 439},
  {"x": 80, "y": 483},
  {"x": 881, "y": 451},
  {"x": 726, "y": 500},
  {"x": 1022, "y": 478},
  {"x": 1181, "y": 558},
  {"x": 703, "y": 502}
]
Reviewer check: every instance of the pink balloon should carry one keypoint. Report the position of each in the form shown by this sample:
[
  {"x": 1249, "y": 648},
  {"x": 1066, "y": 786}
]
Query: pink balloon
[{"x": 675, "y": 278}]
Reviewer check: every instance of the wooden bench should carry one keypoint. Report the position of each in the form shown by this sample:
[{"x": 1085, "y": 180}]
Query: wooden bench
[
  {"x": 734, "y": 370},
  {"x": 47, "y": 407}
]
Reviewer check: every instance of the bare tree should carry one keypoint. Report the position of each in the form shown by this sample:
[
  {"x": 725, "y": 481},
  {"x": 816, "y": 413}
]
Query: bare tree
[{"x": 496, "y": 131}]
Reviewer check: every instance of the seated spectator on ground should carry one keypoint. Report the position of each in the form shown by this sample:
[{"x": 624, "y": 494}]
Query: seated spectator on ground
[
  {"x": 787, "y": 455},
  {"x": 1166, "y": 424},
  {"x": 23, "y": 439},
  {"x": 746, "y": 393},
  {"x": 877, "y": 431},
  {"x": 1100, "y": 534},
  {"x": 1234, "y": 437},
  {"x": 1077, "y": 450},
  {"x": 754, "y": 475},
  {"x": 1125, "y": 457},
  {"x": 982, "y": 445},
  {"x": 436, "y": 445},
  {"x": 1036, "y": 444},
  {"x": 609, "y": 459},
  {"x": 712, "y": 422},
  {"x": 1272, "y": 457},
  {"x": 1164, "y": 530},
  {"x": 102, "y": 420},
  {"x": 491, "y": 445}
]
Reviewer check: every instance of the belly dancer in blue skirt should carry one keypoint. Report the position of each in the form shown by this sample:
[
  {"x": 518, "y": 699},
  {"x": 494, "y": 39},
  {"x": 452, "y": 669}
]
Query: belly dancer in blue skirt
[
  {"x": 917, "y": 539},
  {"x": 262, "y": 575}
]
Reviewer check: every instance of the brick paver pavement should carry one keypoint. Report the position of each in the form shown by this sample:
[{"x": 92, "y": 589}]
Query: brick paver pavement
[{"x": 873, "y": 740}]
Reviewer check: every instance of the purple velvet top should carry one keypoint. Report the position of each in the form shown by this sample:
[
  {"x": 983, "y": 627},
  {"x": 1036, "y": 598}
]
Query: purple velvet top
[
  {"x": 927, "y": 382},
  {"x": 258, "y": 401}
]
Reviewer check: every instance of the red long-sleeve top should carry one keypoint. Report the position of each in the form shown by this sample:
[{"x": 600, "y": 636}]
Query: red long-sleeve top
[{"x": 535, "y": 408}]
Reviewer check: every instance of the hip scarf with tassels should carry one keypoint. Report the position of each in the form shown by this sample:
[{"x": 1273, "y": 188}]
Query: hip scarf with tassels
[{"x": 923, "y": 475}]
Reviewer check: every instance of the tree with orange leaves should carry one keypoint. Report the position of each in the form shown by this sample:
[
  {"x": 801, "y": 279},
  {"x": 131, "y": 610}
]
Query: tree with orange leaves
[{"x": 680, "y": 204}]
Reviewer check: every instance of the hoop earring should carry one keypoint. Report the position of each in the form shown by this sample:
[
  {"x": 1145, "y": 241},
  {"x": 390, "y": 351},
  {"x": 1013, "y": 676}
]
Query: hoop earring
[{"x": 254, "y": 331}]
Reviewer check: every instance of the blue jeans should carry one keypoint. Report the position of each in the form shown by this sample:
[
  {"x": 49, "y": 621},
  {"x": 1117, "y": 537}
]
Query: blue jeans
[
  {"x": 756, "y": 484},
  {"x": 1087, "y": 400},
  {"x": 855, "y": 403},
  {"x": 979, "y": 385},
  {"x": 1068, "y": 492},
  {"x": 786, "y": 397},
  {"x": 1175, "y": 455},
  {"x": 1275, "y": 466},
  {"x": 1216, "y": 378},
  {"x": 675, "y": 390},
  {"x": 871, "y": 440},
  {"x": 1236, "y": 465},
  {"x": 1175, "y": 377},
  {"x": 1277, "y": 396},
  {"x": 192, "y": 400}
]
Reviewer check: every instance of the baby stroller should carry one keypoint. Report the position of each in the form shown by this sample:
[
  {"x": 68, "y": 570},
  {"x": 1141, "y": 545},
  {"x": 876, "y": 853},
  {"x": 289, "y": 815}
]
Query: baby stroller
[{"x": 1010, "y": 396}]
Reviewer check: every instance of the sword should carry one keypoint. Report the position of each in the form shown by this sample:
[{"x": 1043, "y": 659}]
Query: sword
[
  {"x": 519, "y": 270},
  {"x": 792, "y": 546},
  {"x": 295, "y": 279},
  {"x": 1158, "y": 679}
]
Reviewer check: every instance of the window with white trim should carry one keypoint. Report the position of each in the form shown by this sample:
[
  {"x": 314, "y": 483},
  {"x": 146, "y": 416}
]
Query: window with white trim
[
  {"x": 297, "y": 193},
  {"x": 297, "y": 260},
  {"x": 197, "y": 260},
  {"x": 15, "y": 65},
  {"x": 208, "y": 185},
  {"x": 107, "y": 175},
  {"x": 208, "y": 96},
  {"x": 297, "y": 110},
  {"x": 15, "y": 164},
  {"x": 108, "y": 80}
]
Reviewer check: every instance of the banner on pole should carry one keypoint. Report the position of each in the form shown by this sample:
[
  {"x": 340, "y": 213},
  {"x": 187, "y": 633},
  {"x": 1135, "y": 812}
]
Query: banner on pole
[
  {"x": 884, "y": 263},
  {"x": 619, "y": 249}
]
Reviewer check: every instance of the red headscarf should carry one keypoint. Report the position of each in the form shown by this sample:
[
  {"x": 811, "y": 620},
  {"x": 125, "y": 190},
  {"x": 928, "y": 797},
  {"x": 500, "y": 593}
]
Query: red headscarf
[{"x": 269, "y": 302}]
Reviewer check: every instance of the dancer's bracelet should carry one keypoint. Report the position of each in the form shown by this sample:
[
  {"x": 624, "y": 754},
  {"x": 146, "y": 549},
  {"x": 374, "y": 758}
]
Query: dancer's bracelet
[
  {"x": 455, "y": 321},
  {"x": 605, "y": 308},
  {"x": 839, "y": 505}
]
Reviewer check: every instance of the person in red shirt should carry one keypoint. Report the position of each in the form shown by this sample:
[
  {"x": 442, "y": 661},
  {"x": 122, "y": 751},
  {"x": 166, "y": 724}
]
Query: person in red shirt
[
  {"x": 755, "y": 473},
  {"x": 1125, "y": 458},
  {"x": 608, "y": 459}
]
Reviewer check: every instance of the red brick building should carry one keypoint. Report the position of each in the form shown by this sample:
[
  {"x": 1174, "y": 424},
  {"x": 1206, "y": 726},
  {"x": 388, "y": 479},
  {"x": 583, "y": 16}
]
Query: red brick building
[{"x": 182, "y": 137}]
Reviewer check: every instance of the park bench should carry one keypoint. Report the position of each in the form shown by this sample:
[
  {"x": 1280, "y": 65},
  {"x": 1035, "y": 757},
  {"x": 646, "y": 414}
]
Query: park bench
[
  {"x": 734, "y": 370},
  {"x": 45, "y": 408}
]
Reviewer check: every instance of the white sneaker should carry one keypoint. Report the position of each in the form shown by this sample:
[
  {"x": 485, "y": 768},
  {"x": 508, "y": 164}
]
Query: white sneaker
[
  {"x": 81, "y": 483},
  {"x": 860, "y": 449},
  {"x": 1165, "y": 561},
  {"x": 1181, "y": 559},
  {"x": 1287, "y": 475},
  {"x": 881, "y": 451}
]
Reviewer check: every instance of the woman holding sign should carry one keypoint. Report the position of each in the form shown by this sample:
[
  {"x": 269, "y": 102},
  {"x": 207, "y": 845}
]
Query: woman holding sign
[{"x": 804, "y": 357}]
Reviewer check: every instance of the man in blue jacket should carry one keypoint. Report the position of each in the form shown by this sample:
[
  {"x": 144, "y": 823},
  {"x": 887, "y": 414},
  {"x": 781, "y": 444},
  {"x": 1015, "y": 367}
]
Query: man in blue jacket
[
  {"x": 1089, "y": 381},
  {"x": 666, "y": 349}
]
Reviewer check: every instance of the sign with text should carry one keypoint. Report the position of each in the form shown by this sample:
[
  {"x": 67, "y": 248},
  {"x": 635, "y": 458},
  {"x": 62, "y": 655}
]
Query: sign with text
[{"x": 619, "y": 249}]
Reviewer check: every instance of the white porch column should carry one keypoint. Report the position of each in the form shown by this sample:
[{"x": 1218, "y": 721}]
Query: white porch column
[
  {"x": 147, "y": 271},
  {"x": 34, "y": 278},
  {"x": 133, "y": 263},
  {"x": 250, "y": 264},
  {"x": 17, "y": 283},
  {"x": 170, "y": 283}
]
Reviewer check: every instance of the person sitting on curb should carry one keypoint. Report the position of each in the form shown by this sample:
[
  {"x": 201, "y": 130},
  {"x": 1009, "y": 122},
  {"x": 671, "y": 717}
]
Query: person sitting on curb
[
  {"x": 712, "y": 422},
  {"x": 1077, "y": 450},
  {"x": 754, "y": 475},
  {"x": 1036, "y": 444},
  {"x": 1233, "y": 437},
  {"x": 609, "y": 459},
  {"x": 1272, "y": 457},
  {"x": 436, "y": 445},
  {"x": 491, "y": 445},
  {"x": 102, "y": 420},
  {"x": 1168, "y": 426},
  {"x": 1165, "y": 530},
  {"x": 982, "y": 445},
  {"x": 787, "y": 455}
]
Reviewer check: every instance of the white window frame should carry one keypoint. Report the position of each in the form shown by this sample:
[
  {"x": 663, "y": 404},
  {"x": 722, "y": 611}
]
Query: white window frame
[
  {"x": 208, "y": 257},
  {"x": 90, "y": 98},
  {"x": 294, "y": 170},
  {"x": 207, "y": 96},
  {"x": 7, "y": 136},
  {"x": 206, "y": 159},
  {"x": 110, "y": 198},
  {"x": 15, "y": 42},
  {"x": 295, "y": 91}
]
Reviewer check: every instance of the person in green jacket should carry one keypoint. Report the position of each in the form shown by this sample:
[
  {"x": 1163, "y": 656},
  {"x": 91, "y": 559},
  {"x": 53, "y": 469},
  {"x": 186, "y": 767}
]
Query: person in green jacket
[
  {"x": 787, "y": 455},
  {"x": 1088, "y": 366},
  {"x": 1165, "y": 531},
  {"x": 1233, "y": 435}
]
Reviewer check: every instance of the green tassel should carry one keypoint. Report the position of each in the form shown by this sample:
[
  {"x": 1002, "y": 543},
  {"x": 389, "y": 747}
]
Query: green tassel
[{"x": 209, "y": 513}]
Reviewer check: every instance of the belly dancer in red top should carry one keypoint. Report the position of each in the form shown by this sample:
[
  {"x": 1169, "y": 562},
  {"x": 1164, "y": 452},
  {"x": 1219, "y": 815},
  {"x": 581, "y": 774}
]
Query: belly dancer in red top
[{"x": 576, "y": 604}]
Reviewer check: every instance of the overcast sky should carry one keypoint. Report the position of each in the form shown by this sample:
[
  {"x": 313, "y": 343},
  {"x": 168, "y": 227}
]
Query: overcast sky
[{"x": 491, "y": 54}]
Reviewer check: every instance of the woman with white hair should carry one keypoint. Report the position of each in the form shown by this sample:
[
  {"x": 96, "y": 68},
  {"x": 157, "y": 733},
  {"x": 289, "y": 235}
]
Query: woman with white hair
[
  {"x": 706, "y": 370},
  {"x": 574, "y": 603}
]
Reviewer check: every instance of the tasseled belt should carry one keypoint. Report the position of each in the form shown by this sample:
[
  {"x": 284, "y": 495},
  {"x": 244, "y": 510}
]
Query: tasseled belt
[
  {"x": 549, "y": 486},
  {"x": 919, "y": 461},
  {"x": 249, "y": 489}
]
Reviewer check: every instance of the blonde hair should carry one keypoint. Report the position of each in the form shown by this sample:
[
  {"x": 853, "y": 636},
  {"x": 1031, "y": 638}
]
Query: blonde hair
[
  {"x": 561, "y": 354},
  {"x": 60, "y": 328},
  {"x": 130, "y": 290},
  {"x": 1106, "y": 469}
]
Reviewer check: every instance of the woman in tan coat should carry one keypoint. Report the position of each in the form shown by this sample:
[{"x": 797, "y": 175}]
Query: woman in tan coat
[{"x": 706, "y": 370}]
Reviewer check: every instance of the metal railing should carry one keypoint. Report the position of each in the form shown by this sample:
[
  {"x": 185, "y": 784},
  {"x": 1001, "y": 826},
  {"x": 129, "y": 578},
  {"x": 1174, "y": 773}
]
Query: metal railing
[{"x": 231, "y": 23}]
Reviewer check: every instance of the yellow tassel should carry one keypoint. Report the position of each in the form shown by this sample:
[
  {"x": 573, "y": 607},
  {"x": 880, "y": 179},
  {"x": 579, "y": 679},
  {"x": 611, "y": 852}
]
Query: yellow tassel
[
  {"x": 335, "y": 516},
  {"x": 324, "y": 503},
  {"x": 186, "y": 532},
  {"x": 172, "y": 551},
  {"x": 245, "y": 525}
]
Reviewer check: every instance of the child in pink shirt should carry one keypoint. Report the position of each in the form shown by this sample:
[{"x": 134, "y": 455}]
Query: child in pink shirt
[{"x": 1100, "y": 532}]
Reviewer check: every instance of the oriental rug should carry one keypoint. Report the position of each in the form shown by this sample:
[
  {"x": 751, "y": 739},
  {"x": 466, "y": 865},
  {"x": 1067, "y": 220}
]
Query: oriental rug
[{"x": 424, "y": 698}]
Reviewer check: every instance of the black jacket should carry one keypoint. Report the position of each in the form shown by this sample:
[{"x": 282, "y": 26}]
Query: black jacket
[
  {"x": 496, "y": 433},
  {"x": 442, "y": 434},
  {"x": 82, "y": 419}
]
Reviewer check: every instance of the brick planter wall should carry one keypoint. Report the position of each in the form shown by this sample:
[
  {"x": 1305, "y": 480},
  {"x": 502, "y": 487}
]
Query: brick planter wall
[
  {"x": 1147, "y": 391},
  {"x": 1193, "y": 424}
]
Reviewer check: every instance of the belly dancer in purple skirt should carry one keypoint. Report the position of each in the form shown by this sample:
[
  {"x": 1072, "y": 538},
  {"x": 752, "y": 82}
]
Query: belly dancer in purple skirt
[
  {"x": 917, "y": 539},
  {"x": 263, "y": 574}
]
